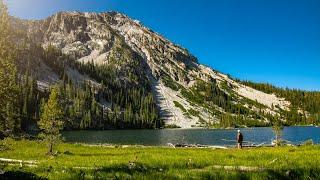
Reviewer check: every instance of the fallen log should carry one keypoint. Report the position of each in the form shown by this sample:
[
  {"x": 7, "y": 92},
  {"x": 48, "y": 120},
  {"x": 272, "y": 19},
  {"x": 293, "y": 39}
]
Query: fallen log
[
  {"x": 239, "y": 168},
  {"x": 195, "y": 146},
  {"x": 18, "y": 161},
  {"x": 233, "y": 168}
]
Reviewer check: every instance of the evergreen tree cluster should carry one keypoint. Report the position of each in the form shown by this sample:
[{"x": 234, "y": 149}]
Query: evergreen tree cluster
[
  {"x": 130, "y": 102},
  {"x": 211, "y": 96},
  {"x": 29, "y": 102},
  {"x": 114, "y": 104}
]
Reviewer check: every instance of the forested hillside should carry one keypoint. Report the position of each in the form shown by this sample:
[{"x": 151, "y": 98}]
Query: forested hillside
[
  {"x": 305, "y": 105},
  {"x": 115, "y": 103},
  {"x": 114, "y": 73}
]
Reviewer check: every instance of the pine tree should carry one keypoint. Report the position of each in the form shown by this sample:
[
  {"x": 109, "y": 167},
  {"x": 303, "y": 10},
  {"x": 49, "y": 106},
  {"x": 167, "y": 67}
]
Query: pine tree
[
  {"x": 51, "y": 121},
  {"x": 8, "y": 85}
]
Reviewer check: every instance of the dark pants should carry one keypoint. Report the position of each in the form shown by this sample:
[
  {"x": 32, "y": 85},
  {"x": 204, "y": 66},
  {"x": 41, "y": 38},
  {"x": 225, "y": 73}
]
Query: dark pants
[{"x": 239, "y": 144}]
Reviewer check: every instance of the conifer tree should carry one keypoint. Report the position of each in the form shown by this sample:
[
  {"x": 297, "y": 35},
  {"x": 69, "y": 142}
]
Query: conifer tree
[
  {"x": 51, "y": 121},
  {"x": 8, "y": 85}
]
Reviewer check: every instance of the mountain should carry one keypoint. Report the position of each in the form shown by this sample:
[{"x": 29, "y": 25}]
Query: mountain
[{"x": 122, "y": 60}]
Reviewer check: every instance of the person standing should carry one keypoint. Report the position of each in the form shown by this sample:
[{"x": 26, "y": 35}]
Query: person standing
[{"x": 239, "y": 139}]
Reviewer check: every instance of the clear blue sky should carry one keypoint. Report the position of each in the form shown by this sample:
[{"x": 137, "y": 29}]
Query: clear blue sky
[{"x": 275, "y": 41}]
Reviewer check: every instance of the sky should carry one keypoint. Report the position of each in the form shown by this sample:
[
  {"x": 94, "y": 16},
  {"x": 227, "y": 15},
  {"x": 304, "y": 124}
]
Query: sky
[{"x": 274, "y": 41}]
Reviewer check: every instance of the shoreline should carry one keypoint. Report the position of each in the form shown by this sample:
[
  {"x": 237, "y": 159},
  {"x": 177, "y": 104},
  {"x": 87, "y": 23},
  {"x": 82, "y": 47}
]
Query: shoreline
[
  {"x": 171, "y": 145},
  {"x": 189, "y": 128}
]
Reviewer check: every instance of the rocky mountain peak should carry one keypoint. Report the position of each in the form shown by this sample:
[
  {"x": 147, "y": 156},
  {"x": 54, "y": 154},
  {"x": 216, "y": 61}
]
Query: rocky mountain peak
[
  {"x": 83, "y": 33},
  {"x": 175, "y": 76}
]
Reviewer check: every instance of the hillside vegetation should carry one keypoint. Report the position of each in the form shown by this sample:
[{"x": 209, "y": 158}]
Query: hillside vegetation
[{"x": 305, "y": 105}]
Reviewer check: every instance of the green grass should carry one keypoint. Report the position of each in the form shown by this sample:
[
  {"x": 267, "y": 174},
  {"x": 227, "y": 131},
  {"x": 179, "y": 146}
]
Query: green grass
[{"x": 161, "y": 162}]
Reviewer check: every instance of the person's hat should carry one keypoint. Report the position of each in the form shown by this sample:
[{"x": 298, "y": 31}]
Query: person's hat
[{"x": 238, "y": 130}]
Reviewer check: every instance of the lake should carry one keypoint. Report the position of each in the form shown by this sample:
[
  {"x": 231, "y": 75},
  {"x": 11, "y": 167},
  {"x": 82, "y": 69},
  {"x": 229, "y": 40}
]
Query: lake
[{"x": 221, "y": 137}]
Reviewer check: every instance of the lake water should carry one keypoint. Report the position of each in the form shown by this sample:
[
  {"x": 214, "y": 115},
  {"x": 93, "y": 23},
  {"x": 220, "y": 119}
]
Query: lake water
[{"x": 221, "y": 137}]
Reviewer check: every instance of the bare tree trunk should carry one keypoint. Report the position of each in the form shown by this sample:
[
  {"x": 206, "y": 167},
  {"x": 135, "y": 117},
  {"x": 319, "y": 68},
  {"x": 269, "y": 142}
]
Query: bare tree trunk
[{"x": 50, "y": 148}]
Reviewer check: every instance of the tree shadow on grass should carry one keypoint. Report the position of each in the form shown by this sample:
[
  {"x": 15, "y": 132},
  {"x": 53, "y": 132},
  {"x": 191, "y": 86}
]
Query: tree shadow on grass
[
  {"x": 142, "y": 171},
  {"x": 132, "y": 168},
  {"x": 296, "y": 173},
  {"x": 97, "y": 154},
  {"x": 120, "y": 171},
  {"x": 19, "y": 175}
]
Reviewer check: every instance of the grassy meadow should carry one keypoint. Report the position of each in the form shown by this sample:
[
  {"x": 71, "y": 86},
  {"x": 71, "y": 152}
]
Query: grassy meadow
[{"x": 77, "y": 161}]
